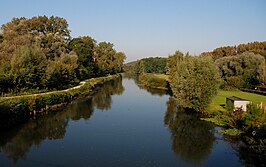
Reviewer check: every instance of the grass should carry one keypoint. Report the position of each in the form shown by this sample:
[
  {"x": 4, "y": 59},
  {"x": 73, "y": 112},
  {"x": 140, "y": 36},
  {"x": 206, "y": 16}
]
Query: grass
[
  {"x": 219, "y": 99},
  {"x": 162, "y": 76}
]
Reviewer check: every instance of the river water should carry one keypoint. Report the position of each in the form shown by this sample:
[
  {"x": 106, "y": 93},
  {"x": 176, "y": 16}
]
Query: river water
[{"x": 120, "y": 125}]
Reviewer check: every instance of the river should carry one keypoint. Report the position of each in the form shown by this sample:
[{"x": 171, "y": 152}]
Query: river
[{"x": 120, "y": 125}]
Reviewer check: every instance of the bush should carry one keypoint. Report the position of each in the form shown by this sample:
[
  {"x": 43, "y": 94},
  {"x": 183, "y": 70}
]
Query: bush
[
  {"x": 235, "y": 81},
  {"x": 153, "y": 81}
]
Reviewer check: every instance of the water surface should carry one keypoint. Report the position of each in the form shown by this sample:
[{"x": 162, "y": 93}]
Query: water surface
[{"x": 121, "y": 125}]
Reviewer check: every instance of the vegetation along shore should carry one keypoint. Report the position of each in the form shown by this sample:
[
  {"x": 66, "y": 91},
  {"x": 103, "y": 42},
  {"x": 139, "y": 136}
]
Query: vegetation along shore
[
  {"x": 202, "y": 83},
  {"x": 42, "y": 66}
]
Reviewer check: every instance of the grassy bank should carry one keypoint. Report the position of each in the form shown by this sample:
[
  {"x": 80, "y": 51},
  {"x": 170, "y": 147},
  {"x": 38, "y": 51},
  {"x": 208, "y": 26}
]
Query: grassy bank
[
  {"x": 157, "y": 81},
  {"x": 248, "y": 126},
  {"x": 14, "y": 110},
  {"x": 219, "y": 100}
]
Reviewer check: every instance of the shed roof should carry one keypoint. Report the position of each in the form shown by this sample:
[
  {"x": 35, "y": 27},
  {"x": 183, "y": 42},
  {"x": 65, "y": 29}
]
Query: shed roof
[{"x": 234, "y": 98}]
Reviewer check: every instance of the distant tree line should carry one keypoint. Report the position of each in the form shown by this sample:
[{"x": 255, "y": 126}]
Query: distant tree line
[
  {"x": 39, "y": 54},
  {"x": 255, "y": 47},
  {"x": 151, "y": 65}
]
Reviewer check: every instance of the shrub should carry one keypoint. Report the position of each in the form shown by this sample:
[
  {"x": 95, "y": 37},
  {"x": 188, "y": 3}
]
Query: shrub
[
  {"x": 234, "y": 81},
  {"x": 153, "y": 81}
]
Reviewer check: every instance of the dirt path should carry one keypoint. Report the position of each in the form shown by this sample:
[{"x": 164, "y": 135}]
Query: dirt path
[{"x": 46, "y": 93}]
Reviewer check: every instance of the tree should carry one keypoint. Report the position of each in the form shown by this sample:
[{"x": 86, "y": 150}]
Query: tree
[
  {"x": 172, "y": 63},
  {"x": 51, "y": 34},
  {"x": 36, "y": 53},
  {"x": 194, "y": 81},
  {"x": 61, "y": 72},
  {"x": 255, "y": 47},
  {"x": 1, "y": 38},
  {"x": 151, "y": 65},
  {"x": 107, "y": 59},
  {"x": 248, "y": 66},
  {"x": 28, "y": 67},
  {"x": 118, "y": 62},
  {"x": 104, "y": 57},
  {"x": 84, "y": 47}
]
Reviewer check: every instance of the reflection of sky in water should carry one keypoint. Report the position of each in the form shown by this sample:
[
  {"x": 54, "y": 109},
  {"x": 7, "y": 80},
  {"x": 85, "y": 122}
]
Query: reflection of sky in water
[{"x": 110, "y": 129}]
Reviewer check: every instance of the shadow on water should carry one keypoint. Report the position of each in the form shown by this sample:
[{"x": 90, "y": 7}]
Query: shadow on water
[
  {"x": 192, "y": 138},
  {"x": 246, "y": 155},
  {"x": 15, "y": 143}
]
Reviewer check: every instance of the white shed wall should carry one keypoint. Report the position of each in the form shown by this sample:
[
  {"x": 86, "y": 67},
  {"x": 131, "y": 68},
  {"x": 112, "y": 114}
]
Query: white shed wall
[{"x": 242, "y": 104}]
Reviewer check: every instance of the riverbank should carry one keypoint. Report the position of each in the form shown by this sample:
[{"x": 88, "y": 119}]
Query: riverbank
[
  {"x": 249, "y": 127},
  {"x": 156, "y": 81},
  {"x": 219, "y": 101},
  {"x": 17, "y": 109}
]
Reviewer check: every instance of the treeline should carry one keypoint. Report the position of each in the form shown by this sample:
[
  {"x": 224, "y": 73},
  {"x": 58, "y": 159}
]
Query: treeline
[
  {"x": 19, "y": 109},
  {"x": 255, "y": 47},
  {"x": 194, "y": 80},
  {"x": 39, "y": 54},
  {"x": 245, "y": 70},
  {"x": 151, "y": 65}
]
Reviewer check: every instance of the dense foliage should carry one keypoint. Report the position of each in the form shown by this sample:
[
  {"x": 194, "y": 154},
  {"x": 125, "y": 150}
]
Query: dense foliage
[
  {"x": 255, "y": 47},
  {"x": 38, "y": 54},
  {"x": 84, "y": 48},
  {"x": 151, "y": 65},
  {"x": 194, "y": 80},
  {"x": 250, "y": 124},
  {"x": 129, "y": 68},
  {"x": 107, "y": 59},
  {"x": 244, "y": 70},
  {"x": 19, "y": 109}
]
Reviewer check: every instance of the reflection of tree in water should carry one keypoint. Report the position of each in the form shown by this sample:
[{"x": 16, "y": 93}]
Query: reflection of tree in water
[
  {"x": 247, "y": 156},
  {"x": 102, "y": 98},
  {"x": 192, "y": 138},
  {"x": 17, "y": 142},
  {"x": 251, "y": 158},
  {"x": 152, "y": 91}
]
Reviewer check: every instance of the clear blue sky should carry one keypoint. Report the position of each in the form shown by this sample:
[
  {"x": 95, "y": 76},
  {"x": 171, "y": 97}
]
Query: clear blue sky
[{"x": 148, "y": 28}]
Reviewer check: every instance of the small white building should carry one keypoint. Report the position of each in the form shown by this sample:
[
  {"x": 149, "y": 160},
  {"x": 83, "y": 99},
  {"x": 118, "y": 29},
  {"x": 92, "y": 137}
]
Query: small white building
[{"x": 238, "y": 102}]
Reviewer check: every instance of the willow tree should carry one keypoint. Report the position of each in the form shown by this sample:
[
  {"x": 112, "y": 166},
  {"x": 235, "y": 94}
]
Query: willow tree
[
  {"x": 247, "y": 67},
  {"x": 194, "y": 80}
]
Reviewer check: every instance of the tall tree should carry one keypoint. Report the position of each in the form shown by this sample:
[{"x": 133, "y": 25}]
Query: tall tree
[
  {"x": 107, "y": 59},
  {"x": 51, "y": 34},
  {"x": 118, "y": 62},
  {"x": 104, "y": 56},
  {"x": 172, "y": 63},
  {"x": 60, "y": 73},
  {"x": 28, "y": 67},
  {"x": 84, "y": 47},
  {"x": 194, "y": 81}
]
